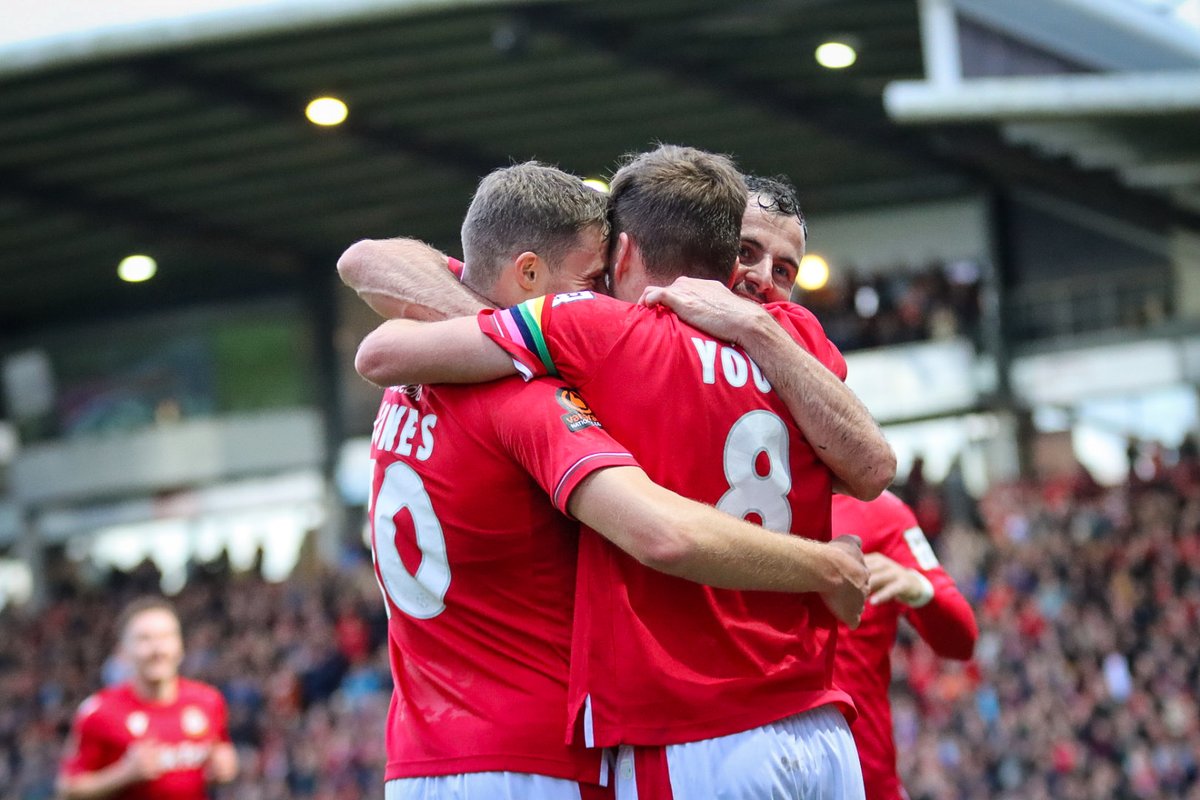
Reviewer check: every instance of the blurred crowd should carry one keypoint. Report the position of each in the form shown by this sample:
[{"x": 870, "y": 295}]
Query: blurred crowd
[
  {"x": 301, "y": 664},
  {"x": 1086, "y": 677},
  {"x": 938, "y": 301},
  {"x": 1084, "y": 685}
]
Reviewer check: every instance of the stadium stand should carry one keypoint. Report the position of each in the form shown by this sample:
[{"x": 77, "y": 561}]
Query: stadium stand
[
  {"x": 300, "y": 664},
  {"x": 1016, "y": 192},
  {"x": 1084, "y": 683}
]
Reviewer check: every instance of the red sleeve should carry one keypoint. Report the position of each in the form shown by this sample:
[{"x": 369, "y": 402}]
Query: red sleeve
[
  {"x": 220, "y": 717},
  {"x": 85, "y": 751},
  {"x": 806, "y": 329},
  {"x": 560, "y": 335},
  {"x": 556, "y": 438},
  {"x": 946, "y": 623}
]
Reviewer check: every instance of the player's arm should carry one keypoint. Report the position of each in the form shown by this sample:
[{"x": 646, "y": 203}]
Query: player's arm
[
  {"x": 834, "y": 421},
  {"x": 141, "y": 762},
  {"x": 406, "y": 279},
  {"x": 222, "y": 765},
  {"x": 907, "y": 571},
  {"x": 451, "y": 351},
  {"x": 681, "y": 537},
  {"x": 946, "y": 621}
]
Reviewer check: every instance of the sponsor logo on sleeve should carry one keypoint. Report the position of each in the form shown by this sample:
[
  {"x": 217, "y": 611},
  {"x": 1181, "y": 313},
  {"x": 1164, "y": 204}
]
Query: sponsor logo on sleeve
[
  {"x": 919, "y": 545},
  {"x": 579, "y": 415}
]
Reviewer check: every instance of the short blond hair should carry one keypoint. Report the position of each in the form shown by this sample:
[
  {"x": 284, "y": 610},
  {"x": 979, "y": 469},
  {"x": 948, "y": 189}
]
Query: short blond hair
[{"x": 529, "y": 206}]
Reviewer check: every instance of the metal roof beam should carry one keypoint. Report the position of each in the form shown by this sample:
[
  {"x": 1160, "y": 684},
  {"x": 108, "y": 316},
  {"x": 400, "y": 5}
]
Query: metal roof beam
[
  {"x": 1044, "y": 97},
  {"x": 151, "y": 225},
  {"x": 231, "y": 88}
]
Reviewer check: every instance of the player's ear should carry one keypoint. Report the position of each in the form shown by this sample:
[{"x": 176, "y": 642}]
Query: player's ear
[
  {"x": 622, "y": 257},
  {"x": 530, "y": 271}
]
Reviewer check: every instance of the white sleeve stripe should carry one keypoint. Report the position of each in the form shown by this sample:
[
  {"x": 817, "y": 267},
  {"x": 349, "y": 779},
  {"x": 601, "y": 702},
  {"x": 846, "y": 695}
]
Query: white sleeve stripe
[
  {"x": 525, "y": 371},
  {"x": 589, "y": 733},
  {"x": 562, "y": 483}
]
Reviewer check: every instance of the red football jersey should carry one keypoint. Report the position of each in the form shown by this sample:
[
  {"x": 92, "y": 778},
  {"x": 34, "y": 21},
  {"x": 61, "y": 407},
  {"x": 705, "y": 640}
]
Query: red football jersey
[
  {"x": 864, "y": 665},
  {"x": 656, "y": 659},
  {"x": 109, "y": 721},
  {"x": 477, "y": 566}
]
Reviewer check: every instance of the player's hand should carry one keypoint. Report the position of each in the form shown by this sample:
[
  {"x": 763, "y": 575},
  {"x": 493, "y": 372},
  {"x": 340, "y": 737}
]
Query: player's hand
[
  {"x": 222, "y": 766},
  {"x": 893, "y": 581},
  {"x": 709, "y": 306},
  {"x": 142, "y": 761},
  {"x": 849, "y": 594}
]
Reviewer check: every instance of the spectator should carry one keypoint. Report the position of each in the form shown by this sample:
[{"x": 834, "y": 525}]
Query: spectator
[{"x": 1085, "y": 683}]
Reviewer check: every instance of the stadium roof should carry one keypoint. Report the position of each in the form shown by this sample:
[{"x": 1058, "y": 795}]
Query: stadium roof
[{"x": 189, "y": 141}]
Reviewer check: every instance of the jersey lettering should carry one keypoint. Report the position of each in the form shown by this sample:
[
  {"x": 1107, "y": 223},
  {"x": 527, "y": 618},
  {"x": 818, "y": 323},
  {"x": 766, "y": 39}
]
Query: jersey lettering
[
  {"x": 570, "y": 297},
  {"x": 736, "y": 367},
  {"x": 756, "y": 434},
  {"x": 421, "y": 595},
  {"x": 396, "y": 430}
]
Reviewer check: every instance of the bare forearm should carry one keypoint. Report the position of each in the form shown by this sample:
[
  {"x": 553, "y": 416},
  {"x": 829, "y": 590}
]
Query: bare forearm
[
  {"x": 94, "y": 785},
  {"x": 222, "y": 764},
  {"x": 406, "y": 278},
  {"x": 831, "y": 417},
  {"x": 452, "y": 351},
  {"x": 690, "y": 540}
]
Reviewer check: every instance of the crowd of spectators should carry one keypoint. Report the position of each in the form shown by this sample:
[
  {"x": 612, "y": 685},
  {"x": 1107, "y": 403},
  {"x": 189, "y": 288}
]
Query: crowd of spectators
[
  {"x": 939, "y": 301},
  {"x": 301, "y": 664},
  {"x": 1086, "y": 678},
  {"x": 1084, "y": 684}
]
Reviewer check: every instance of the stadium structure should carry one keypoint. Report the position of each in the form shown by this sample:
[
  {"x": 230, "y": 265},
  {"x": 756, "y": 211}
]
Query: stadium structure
[{"x": 1005, "y": 196}]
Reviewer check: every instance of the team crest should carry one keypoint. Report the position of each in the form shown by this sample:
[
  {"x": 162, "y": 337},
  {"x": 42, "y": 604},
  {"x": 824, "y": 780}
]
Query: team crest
[
  {"x": 194, "y": 721},
  {"x": 579, "y": 415},
  {"x": 137, "y": 723}
]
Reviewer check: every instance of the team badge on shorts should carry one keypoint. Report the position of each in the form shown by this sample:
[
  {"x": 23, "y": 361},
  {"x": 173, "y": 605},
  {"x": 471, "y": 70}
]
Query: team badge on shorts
[
  {"x": 137, "y": 723},
  {"x": 194, "y": 721},
  {"x": 579, "y": 415}
]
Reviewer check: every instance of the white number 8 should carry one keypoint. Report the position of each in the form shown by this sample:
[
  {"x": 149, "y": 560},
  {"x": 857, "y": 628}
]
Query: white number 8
[
  {"x": 749, "y": 492},
  {"x": 422, "y": 595}
]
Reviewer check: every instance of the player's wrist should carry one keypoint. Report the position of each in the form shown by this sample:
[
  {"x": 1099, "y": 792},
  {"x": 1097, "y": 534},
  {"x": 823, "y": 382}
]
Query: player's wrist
[
  {"x": 756, "y": 328},
  {"x": 922, "y": 594}
]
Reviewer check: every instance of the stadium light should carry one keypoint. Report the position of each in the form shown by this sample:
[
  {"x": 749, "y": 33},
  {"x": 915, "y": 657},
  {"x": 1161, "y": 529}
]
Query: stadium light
[
  {"x": 137, "y": 268},
  {"x": 813, "y": 274},
  {"x": 326, "y": 111},
  {"x": 597, "y": 184},
  {"x": 836, "y": 55}
]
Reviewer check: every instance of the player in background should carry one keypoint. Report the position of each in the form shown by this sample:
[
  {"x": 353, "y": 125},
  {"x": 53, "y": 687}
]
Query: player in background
[
  {"x": 159, "y": 736},
  {"x": 906, "y": 581},
  {"x": 476, "y": 561},
  {"x": 906, "y": 578},
  {"x": 739, "y": 683}
]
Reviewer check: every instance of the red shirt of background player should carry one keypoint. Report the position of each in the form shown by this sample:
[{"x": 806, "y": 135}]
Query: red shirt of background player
[
  {"x": 109, "y": 721},
  {"x": 655, "y": 659},
  {"x": 864, "y": 665}
]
